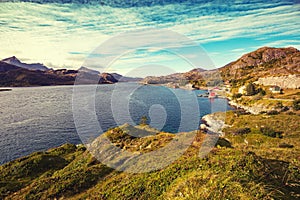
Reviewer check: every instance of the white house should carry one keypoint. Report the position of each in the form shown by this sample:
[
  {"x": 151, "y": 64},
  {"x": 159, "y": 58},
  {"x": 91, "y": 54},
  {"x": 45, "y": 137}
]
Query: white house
[{"x": 275, "y": 89}]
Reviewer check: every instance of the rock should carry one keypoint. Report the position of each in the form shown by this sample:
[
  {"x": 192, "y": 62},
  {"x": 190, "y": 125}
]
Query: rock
[
  {"x": 290, "y": 81},
  {"x": 255, "y": 109},
  {"x": 203, "y": 127},
  {"x": 214, "y": 122}
]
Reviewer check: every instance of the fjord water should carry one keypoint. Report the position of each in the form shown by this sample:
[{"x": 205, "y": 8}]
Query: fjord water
[{"x": 38, "y": 118}]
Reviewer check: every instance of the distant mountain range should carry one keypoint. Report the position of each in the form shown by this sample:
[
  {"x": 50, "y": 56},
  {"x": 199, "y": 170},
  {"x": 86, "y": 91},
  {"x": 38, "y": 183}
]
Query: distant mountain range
[
  {"x": 14, "y": 73},
  {"x": 263, "y": 62},
  {"x": 16, "y": 62}
]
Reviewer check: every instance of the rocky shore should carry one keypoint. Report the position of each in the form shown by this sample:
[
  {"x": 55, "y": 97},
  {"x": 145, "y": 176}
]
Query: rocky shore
[
  {"x": 255, "y": 109},
  {"x": 214, "y": 122}
]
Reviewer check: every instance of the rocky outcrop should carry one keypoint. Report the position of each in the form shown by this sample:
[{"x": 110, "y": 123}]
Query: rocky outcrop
[
  {"x": 290, "y": 81},
  {"x": 214, "y": 123}
]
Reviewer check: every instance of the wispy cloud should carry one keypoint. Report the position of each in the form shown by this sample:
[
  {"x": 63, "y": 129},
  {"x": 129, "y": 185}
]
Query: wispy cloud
[{"x": 65, "y": 34}]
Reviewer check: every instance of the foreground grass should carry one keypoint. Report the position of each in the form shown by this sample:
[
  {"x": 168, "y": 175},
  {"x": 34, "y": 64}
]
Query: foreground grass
[{"x": 259, "y": 169}]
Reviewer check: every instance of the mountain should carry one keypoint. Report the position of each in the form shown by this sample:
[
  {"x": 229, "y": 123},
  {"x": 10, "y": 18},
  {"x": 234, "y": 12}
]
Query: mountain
[
  {"x": 13, "y": 76},
  {"x": 263, "y": 62},
  {"x": 121, "y": 78},
  {"x": 174, "y": 78},
  {"x": 14, "y": 73},
  {"x": 198, "y": 77},
  {"x": 87, "y": 70},
  {"x": 16, "y": 62},
  {"x": 4, "y": 67}
]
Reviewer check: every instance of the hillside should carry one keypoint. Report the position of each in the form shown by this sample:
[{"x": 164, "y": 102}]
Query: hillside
[
  {"x": 11, "y": 75},
  {"x": 198, "y": 77},
  {"x": 14, "y": 73},
  {"x": 258, "y": 170},
  {"x": 263, "y": 62}
]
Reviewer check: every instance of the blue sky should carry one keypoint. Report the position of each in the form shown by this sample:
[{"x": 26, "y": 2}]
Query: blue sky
[{"x": 64, "y": 35}]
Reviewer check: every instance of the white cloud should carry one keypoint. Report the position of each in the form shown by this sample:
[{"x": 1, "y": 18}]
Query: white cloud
[{"x": 49, "y": 32}]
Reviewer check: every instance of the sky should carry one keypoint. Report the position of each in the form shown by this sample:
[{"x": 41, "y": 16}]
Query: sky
[{"x": 71, "y": 35}]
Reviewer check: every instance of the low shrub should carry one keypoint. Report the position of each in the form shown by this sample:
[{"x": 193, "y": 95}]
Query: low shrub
[
  {"x": 242, "y": 131},
  {"x": 273, "y": 112},
  {"x": 278, "y": 105},
  {"x": 241, "y": 112},
  {"x": 236, "y": 96},
  {"x": 284, "y": 108},
  {"x": 270, "y": 132},
  {"x": 296, "y": 104},
  {"x": 291, "y": 113},
  {"x": 261, "y": 91},
  {"x": 285, "y": 145}
]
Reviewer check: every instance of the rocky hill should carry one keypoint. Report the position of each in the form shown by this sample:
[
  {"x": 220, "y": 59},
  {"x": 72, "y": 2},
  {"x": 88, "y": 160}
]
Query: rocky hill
[
  {"x": 198, "y": 78},
  {"x": 193, "y": 75},
  {"x": 263, "y": 62}
]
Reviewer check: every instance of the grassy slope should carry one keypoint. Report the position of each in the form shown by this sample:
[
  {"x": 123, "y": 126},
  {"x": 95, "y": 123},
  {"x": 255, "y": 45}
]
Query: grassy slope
[{"x": 259, "y": 170}]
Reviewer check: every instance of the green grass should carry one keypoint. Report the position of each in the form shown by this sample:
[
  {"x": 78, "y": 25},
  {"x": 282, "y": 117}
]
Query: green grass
[{"x": 259, "y": 169}]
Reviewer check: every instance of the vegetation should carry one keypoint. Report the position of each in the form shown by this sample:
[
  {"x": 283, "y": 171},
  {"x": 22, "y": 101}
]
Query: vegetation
[
  {"x": 144, "y": 120},
  {"x": 237, "y": 95},
  {"x": 258, "y": 158},
  {"x": 296, "y": 104},
  {"x": 241, "y": 131},
  {"x": 250, "y": 89},
  {"x": 269, "y": 132},
  {"x": 263, "y": 168}
]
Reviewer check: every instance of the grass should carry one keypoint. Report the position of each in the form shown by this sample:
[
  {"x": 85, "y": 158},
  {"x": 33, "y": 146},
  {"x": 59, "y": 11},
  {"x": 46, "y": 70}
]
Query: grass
[
  {"x": 256, "y": 141},
  {"x": 258, "y": 169}
]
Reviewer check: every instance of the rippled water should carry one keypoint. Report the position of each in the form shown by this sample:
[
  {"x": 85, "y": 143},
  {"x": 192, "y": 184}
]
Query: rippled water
[{"x": 38, "y": 118}]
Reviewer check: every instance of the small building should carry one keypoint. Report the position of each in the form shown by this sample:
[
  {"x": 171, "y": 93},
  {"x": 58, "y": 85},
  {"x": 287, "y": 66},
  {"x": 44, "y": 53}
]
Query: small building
[
  {"x": 212, "y": 95},
  {"x": 275, "y": 89}
]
